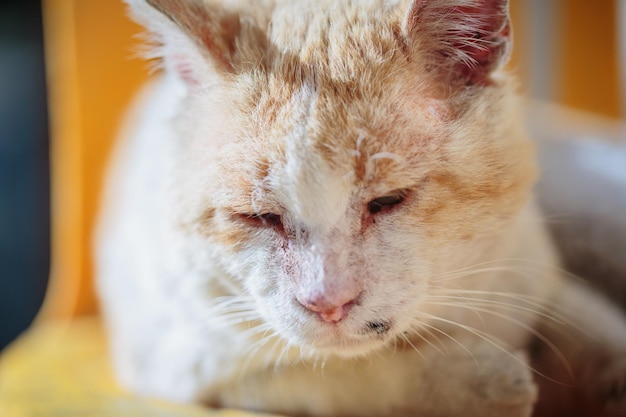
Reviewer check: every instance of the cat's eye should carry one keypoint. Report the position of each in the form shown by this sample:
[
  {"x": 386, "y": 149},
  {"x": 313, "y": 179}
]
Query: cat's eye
[
  {"x": 387, "y": 202},
  {"x": 262, "y": 219}
]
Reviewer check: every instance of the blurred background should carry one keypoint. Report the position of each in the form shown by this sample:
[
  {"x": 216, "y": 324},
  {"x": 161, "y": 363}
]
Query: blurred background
[
  {"x": 566, "y": 51},
  {"x": 24, "y": 168}
]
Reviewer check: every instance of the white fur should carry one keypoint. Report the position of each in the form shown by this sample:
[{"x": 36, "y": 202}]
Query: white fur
[
  {"x": 168, "y": 343},
  {"x": 440, "y": 323}
]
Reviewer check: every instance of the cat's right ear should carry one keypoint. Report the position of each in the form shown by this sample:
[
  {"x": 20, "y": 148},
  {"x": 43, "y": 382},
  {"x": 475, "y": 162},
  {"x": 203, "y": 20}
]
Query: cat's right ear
[
  {"x": 467, "y": 40},
  {"x": 194, "y": 40}
]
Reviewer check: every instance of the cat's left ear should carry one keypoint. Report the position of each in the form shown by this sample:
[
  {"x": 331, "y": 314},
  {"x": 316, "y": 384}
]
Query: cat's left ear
[
  {"x": 465, "y": 39},
  {"x": 196, "y": 40}
]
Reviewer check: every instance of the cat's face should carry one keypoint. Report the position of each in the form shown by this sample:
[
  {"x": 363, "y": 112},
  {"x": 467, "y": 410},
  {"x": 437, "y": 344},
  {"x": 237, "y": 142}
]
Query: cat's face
[
  {"x": 337, "y": 190},
  {"x": 344, "y": 203}
]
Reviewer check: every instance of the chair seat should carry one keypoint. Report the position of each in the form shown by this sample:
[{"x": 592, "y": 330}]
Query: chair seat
[{"x": 61, "y": 368}]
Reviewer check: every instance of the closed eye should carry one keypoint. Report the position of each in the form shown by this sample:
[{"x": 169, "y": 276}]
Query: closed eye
[
  {"x": 387, "y": 202},
  {"x": 267, "y": 220}
]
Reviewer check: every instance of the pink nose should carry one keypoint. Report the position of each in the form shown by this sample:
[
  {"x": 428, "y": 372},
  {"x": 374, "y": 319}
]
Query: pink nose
[{"x": 330, "y": 312}]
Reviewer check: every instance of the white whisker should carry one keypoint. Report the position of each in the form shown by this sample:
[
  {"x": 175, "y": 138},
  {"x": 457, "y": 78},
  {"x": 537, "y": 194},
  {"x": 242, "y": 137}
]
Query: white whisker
[
  {"x": 522, "y": 325},
  {"x": 412, "y": 345},
  {"x": 444, "y": 333}
]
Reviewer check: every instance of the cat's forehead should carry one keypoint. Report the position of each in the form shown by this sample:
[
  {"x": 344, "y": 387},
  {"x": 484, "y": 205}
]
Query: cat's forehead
[
  {"x": 350, "y": 124},
  {"x": 319, "y": 145},
  {"x": 333, "y": 31},
  {"x": 339, "y": 82}
]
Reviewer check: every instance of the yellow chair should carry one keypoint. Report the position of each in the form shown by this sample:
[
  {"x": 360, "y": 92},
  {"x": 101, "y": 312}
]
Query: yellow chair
[{"x": 60, "y": 367}]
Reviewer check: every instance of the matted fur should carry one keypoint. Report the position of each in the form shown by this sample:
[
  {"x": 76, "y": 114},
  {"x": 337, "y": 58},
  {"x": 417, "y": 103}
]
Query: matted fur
[{"x": 241, "y": 262}]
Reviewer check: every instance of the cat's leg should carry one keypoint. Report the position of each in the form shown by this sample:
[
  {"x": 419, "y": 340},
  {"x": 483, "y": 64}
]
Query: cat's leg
[
  {"x": 173, "y": 362},
  {"x": 479, "y": 379},
  {"x": 583, "y": 371},
  {"x": 467, "y": 378}
]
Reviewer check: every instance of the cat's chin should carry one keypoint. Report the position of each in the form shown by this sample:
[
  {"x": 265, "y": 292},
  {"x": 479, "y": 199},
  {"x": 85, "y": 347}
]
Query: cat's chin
[
  {"x": 344, "y": 346},
  {"x": 349, "y": 349}
]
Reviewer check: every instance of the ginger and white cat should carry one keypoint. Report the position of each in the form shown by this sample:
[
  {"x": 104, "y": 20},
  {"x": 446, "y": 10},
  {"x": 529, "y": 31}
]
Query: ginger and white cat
[{"x": 323, "y": 207}]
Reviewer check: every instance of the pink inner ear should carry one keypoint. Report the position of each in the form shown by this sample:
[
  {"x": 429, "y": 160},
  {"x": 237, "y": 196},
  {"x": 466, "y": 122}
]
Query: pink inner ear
[
  {"x": 488, "y": 47},
  {"x": 490, "y": 30},
  {"x": 185, "y": 70},
  {"x": 472, "y": 39}
]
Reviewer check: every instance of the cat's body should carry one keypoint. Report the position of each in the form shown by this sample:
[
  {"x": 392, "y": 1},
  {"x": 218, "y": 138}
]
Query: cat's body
[{"x": 330, "y": 214}]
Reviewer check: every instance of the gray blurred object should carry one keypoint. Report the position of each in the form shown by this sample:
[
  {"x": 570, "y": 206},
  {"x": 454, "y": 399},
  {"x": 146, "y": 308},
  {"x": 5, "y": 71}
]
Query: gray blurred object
[
  {"x": 24, "y": 170},
  {"x": 583, "y": 192}
]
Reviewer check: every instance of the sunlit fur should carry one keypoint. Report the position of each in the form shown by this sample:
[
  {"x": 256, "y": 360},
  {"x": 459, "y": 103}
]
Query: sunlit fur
[{"x": 309, "y": 110}]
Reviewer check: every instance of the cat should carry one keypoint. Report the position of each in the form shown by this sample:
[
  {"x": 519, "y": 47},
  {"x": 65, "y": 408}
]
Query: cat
[{"x": 325, "y": 208}]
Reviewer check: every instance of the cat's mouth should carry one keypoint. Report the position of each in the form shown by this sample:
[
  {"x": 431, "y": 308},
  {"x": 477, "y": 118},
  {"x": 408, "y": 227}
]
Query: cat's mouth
[{"x": 341, "y": 341}]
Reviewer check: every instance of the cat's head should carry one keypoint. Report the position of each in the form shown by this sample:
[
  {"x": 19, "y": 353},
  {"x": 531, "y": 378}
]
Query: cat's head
[{"x": 339, "y": 157}]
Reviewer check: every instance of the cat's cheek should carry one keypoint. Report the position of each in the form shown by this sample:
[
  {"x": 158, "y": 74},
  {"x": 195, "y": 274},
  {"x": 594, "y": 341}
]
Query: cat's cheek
[{"x": 271, "y": 266}]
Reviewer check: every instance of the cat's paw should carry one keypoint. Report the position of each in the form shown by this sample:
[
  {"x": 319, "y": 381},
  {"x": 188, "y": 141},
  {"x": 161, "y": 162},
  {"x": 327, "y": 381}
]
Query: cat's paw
[
  {"x": 505, "y": 387},
  {"x": 489, "y": 382}
]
